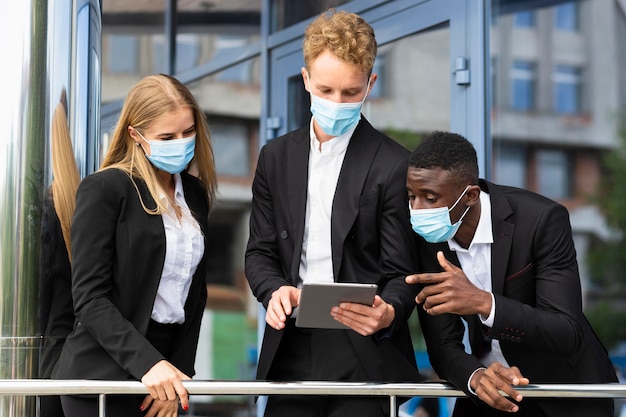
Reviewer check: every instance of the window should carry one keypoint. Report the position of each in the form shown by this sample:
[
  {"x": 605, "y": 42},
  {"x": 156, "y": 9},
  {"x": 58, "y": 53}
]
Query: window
[
  {"x": 523, "y": 82},
  {"x": 231, "y": 148},
  {"x": 123, "y": 54},
  {"x": 510, "y": 165},
  {"x": 240, "y": 73},
  {"x": 187, "y": 52},
  {"x": 567, "y": 89},
  {"x": 553, "y": 174},
  {"x": 566, "y": 17},
  {"x": 524, "y": 19}
]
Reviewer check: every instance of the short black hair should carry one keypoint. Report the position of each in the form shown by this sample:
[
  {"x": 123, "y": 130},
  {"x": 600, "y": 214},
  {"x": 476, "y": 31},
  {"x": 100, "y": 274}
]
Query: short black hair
[{"x": 448, "y": 151}]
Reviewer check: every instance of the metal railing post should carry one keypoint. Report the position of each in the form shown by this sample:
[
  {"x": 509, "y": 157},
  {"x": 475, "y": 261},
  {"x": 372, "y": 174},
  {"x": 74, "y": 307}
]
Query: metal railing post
[
  {"x": 101, "y": 405},
  {"x": 392, "y": 406}
]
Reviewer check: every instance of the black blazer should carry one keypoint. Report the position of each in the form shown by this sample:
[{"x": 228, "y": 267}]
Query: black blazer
[
  {"x": 56, "y": 314},
  {"x": 118, "y": 252},
  {"x": 371, "y": 238},
  {"x": 539, "y": 320}
]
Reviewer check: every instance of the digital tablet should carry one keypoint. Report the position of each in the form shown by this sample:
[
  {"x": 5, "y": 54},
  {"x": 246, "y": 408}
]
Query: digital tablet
[{"x": 317, "y": 299}]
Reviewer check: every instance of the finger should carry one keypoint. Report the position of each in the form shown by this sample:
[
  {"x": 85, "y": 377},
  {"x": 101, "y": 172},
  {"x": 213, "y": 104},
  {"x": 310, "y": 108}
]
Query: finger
[
  {"x": 182, "y": 395},
  {"x": 145, "y": 404},
  {"x": 512, "y": 375},
  {"x": 426, "y": 278},
  {"x": 447, "y": 266},
  {"x": 490, "y": 391},
  {"x": 285, "y": 302}
]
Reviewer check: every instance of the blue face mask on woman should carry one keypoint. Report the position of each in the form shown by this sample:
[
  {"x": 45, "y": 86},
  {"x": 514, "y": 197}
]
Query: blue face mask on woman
[
  {"x": 434, "y": 225},
  {"x": 335, "y": 119},
  {"x": 172, "y": 155}
]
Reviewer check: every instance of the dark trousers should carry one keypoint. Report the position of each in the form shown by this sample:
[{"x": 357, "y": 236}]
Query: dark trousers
[{"x": 319, "y": 355}]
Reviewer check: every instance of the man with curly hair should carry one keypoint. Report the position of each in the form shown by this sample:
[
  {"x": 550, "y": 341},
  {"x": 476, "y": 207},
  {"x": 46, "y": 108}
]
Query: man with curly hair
[{"x": 329, "y": 206}]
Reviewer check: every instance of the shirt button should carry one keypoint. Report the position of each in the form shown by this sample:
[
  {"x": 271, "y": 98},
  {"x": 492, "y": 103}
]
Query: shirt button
[{"x": 284, "y": 235}]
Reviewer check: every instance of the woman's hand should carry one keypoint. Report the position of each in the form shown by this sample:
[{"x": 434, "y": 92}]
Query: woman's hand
[
  {"x": 163, "y": 381},
  {"x": 157, "y": 408}
]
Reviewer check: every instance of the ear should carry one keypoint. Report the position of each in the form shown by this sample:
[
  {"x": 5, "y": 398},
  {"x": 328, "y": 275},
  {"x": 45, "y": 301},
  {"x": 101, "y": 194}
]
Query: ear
[
  {"x": 373, "y": 79},
  {"x": 305, "y": 79},
  {"x": 473, "y": 195},
  {"x": 133, "y": 134}
]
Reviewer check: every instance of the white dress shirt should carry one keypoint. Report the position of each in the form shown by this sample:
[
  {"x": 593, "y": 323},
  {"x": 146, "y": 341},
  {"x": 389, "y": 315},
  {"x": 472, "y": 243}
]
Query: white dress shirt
[
  {"x": 184, "y": 247},
  {"x": 325, "y": 160},
  {"x": 476, "y": 265}
]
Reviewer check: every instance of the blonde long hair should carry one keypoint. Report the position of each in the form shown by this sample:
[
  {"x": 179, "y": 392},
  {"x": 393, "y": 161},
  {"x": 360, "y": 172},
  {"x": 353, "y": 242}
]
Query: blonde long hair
[
  {"x": 147, "y": 101},
  {"x": 65, "y": 176}
]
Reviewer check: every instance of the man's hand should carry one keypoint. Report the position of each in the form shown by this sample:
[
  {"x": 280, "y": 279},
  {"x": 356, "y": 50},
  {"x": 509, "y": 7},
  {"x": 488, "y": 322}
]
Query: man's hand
[
  {"x": 163, "y": 381},
  {"x": 450, "y": 292},
  {"x": 363, "y": 319},
  {"x": 281, "y": 305},
  {"x": 489, "y": 383}
]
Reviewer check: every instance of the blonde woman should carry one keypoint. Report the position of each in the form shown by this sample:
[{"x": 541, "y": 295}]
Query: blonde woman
[{"x": 139, "y": 239}]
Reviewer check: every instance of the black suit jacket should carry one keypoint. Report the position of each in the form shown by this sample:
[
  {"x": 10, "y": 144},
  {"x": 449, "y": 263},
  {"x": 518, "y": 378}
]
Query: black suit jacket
[
  {"x": 370, "y": 238},
  {"x": 118, "y": 252},
  {"x": 539, "y": 320}
]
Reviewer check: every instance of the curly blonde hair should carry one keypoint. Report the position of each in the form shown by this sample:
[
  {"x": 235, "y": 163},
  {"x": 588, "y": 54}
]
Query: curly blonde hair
[{"x": 346, "y": 35}]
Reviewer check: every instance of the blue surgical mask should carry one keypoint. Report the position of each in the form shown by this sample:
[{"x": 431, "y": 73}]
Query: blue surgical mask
[
  {"x": 434, "y": 225},
  {"x": 335, "y": 119},
  {"x": 172, "y": 155}
]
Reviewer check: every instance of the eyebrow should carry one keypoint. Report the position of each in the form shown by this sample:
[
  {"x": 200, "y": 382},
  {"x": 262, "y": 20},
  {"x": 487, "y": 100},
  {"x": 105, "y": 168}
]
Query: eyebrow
[{"x": 193, "y": 126}]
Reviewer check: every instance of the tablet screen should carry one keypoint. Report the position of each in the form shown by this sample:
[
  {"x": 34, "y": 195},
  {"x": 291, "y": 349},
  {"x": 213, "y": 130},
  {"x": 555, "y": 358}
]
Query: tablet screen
[{"x": 317, "y": 299}]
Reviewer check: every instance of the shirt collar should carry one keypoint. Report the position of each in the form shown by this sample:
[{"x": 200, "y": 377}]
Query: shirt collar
[
  {"x": 484, "y": 232},
  {"x": 335, "y": 146},
  {"x": 178, "y": 190}
]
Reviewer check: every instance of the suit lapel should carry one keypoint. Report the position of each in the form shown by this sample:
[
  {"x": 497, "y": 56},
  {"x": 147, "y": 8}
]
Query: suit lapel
[
  {"x": 502, "y": 237},
  {"x": 297, "y": 184},
  {"x": 357, "y": 161}
]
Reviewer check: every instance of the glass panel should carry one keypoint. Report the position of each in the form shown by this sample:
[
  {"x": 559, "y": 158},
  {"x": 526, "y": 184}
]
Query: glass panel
[
  {"x": 566, "y": 17},
  {"x": 567, "y": 89},
  {"x": 525, "y": 19},
  {"x": 134, "y": 40},
  {"x": 231, "y": 146},
  {"x": 288, "y": 12},
  {"x": 510, "y": 167},
  {"x": 553, "y": 174},
  {"x": 123, "y": 53},
  {"x": 523, "y": 86},
  {"x": 561, "y": 146}
]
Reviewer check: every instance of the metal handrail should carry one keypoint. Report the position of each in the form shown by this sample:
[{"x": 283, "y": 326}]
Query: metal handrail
[{"x": 29, "y": 387}]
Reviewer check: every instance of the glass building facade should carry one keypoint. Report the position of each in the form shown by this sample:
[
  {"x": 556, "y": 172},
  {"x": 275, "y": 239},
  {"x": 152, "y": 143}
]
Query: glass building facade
[{"x": 537, "y": 86}]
